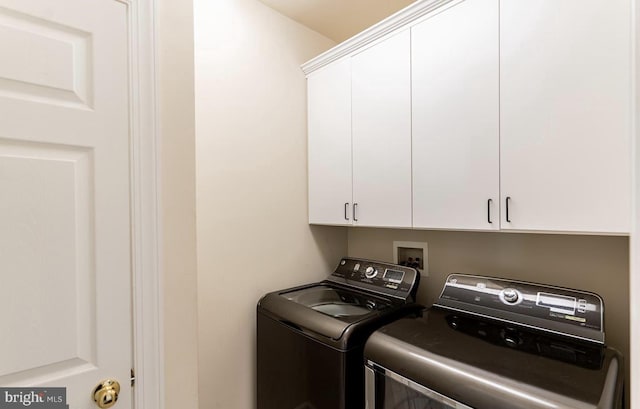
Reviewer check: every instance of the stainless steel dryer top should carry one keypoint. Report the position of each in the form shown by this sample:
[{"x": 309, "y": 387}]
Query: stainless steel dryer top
[{"x": 497, "y": 344}]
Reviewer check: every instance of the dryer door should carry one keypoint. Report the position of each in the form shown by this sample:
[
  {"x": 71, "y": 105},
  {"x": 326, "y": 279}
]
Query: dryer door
[{"x": 387, "y": 390}]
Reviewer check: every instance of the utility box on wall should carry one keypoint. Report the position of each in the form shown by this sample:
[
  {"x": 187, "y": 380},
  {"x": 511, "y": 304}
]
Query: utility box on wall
[{"x": 412, "y": 254}]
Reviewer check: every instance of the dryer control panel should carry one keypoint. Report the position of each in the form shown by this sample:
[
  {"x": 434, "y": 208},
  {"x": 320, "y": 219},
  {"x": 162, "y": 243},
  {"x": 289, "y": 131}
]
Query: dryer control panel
[
  {"x": 547, "y": 308},
  {"x": 384, "y": 278}
]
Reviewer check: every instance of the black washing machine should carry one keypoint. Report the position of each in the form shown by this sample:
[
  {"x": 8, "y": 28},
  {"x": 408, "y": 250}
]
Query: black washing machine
[
  {"x": 311, "y": 338},
  {"x": 496, "y": 344}
]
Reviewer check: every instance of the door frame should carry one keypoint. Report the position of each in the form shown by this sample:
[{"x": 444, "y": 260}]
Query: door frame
[
  {"x": 147, "y": 302},
  {"x": 634, "y": 242}
]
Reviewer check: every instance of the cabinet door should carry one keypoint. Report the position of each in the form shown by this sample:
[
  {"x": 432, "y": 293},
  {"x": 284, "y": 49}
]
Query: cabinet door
[
  {"x": 382, "y": 133},
  {"x": 565, "y": 115},
  {"x": 329, "y": 105},
  {"x": 455, "y": 74}
]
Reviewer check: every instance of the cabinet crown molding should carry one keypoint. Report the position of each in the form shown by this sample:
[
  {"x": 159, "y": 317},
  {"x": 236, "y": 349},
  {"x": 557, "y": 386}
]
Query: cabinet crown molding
[{"x": 394, "y": 22}]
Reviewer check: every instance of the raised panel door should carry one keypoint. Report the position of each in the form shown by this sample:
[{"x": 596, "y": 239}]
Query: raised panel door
[{"x": 65, "y": 230}]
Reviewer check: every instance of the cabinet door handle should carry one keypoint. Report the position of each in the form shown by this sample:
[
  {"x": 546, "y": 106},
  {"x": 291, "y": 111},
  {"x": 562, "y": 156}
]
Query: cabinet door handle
[
  {"x": 346, "y": 209},
  {"x": 489, "y": 202},
  {"x": 508, "y": 200},
  {"x": 355, "y": 214}
]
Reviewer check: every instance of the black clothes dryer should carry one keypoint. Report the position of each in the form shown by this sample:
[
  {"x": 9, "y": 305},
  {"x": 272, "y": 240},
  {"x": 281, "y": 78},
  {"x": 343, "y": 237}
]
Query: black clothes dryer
[
  {"x": 490, "y": 343},
  {"x": 311, "y": 338}
]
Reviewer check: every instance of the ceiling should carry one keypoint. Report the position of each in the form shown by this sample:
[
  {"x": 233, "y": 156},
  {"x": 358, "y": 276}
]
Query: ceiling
[{"x": 337, "y": 19}]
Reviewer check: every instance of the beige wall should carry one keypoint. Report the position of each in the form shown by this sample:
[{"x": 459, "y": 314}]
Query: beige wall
[
  {"x": 592, "y": 263},
  {"x": 177, "y": 173},
  {"x": 253, "y": 235}
]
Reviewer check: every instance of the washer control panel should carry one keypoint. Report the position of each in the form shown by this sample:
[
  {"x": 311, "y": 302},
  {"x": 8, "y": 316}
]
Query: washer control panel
[
  {"x": 553, "y": 309},
  {"x": 391, "y": 279}
]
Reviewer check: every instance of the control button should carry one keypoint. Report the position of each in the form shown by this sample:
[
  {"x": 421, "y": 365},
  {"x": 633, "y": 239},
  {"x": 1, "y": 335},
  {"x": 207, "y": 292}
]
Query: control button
[
  {"x": 370, "y": 272},
  {"x": 356, "y": 267},
  {"x": 510, "y": 295},
  {"x": 511, "y": 341},
  {"x": 582, "y": 306},
  {"x": 343, "y": 262},
  {"x": 511, "y": 338}
]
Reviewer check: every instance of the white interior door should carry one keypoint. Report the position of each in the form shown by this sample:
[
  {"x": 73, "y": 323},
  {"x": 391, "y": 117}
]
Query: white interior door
[{"x": 65, "y": 265}]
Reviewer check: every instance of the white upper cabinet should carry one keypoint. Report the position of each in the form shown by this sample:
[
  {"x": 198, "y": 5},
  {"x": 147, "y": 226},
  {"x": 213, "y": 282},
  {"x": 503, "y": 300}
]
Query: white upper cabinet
[
  {"x": 455, "y": 83},
  {"x": 329, "y": 116},
  {"x": 381, "y": 115},
  {"x": 477, "y": 115},
  {"x": 565, "y": 115}
]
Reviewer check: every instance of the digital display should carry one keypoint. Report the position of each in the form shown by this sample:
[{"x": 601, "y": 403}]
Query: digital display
[
  {"x": 557, "y": 303},
  {"x": 393, "y": 275}
]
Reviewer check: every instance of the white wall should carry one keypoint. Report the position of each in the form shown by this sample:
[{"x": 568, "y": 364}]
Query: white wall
[
  {"x": 253, "y": 235},
  {"x": 174, "y": 26}
]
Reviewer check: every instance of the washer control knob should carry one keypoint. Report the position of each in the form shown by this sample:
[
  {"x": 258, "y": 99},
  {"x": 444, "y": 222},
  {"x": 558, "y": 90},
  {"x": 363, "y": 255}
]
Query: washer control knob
[
  {"x": 370, "y": 272},
  {"x": 510, "y": 295}
]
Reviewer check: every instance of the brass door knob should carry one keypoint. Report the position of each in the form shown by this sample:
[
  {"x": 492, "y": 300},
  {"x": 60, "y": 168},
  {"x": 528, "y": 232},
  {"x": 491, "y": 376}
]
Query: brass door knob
[{"x": 106, "y": 393}]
